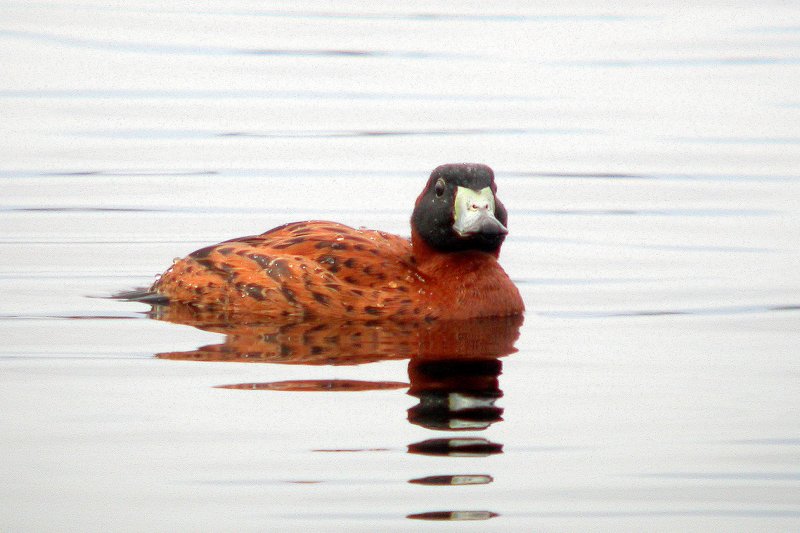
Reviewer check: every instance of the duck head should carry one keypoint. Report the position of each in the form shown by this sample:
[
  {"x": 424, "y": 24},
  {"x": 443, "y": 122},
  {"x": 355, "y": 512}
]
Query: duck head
[{"x": 459, "y": 211}]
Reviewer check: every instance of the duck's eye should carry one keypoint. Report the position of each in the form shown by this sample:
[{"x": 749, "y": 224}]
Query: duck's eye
[{"x": 439, "y": 188}]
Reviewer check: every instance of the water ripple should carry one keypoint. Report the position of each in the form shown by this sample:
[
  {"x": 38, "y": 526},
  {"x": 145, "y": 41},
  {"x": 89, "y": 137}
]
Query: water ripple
[
  {"x": 767, "y": 442},
  {"x": 421, "y": 16},
  {"x": 195, "y": 50},
  {"x": 394, "y": 173},
  {"x": 682, "y": 62},
  {"x": 745, "y": 476},
  {"x": 216, "y": 94},
  {"x": 322, "y": 134},
  {"x": 700, "y": 311}
]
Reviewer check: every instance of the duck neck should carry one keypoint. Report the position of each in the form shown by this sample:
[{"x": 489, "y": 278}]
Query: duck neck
[
  {"x": 468, "y": 283},
  {"x": 463, "y": 267},
  {"x": 424, "y": 252}
]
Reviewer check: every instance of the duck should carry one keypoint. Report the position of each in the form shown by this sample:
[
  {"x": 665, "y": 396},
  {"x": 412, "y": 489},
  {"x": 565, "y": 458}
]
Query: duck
[{"x": 447, "y": 270}]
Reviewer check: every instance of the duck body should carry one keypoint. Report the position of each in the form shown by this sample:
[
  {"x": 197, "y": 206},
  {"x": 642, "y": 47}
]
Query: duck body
[{"x": 325, "y": 269}]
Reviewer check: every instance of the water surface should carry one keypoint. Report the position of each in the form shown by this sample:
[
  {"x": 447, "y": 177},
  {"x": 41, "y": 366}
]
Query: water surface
[{"x": 649, "y": 162}]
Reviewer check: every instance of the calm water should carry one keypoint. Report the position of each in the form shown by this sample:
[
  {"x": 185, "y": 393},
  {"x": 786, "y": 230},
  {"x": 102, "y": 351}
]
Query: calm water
[{"x": 650, "y": 163}]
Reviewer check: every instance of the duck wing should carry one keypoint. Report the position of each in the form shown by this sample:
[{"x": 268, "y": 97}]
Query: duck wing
[{"x": 301, "y": 269}]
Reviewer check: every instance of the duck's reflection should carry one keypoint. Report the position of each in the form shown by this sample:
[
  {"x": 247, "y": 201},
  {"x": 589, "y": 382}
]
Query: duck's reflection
[
  {"x": 456, "y": 447},
  {"x": 331, "y": 342},
  {"x": 319, "y": 385},
  {"x": 455, "y": 394},
  {"x": 464, "y": 479},
  {"x": 452, "y": 516},
  {"x": 453, "y": 369}
]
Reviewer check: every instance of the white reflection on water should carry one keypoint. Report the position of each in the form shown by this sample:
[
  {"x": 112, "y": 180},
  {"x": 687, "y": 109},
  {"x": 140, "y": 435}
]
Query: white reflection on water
[{"x": 649, "y": 162}]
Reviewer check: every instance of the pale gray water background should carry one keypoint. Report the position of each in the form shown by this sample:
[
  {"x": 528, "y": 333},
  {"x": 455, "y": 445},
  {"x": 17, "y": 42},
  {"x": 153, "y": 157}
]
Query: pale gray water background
[{"x": 650, "y": 163}]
